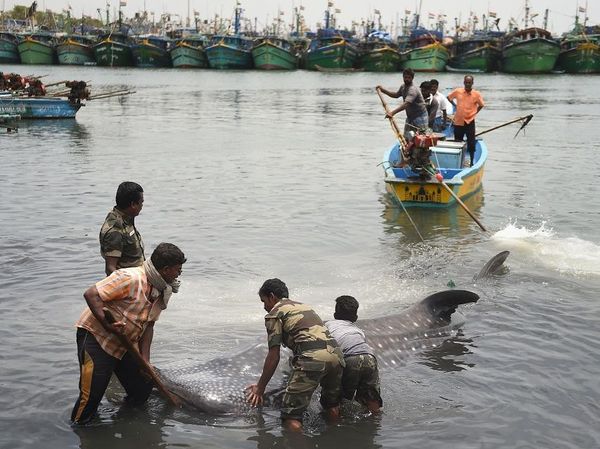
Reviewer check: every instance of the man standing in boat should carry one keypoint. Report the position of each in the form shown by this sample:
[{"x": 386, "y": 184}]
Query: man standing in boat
[
  {"x": 430, "y": 102},
  {"x": 121, "y": 244},
  {"x": 441, "y": 115},
  {"x": 468, "y": 103},
  {"x": 413, "y": 103}
]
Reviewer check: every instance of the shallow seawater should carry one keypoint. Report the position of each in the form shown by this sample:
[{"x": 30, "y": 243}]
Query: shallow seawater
[{"x": 258, "y": 175}]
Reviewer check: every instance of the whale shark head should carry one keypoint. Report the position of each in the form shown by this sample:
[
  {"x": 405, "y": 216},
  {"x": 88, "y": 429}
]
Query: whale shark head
[{"x": 217, "y": 386}]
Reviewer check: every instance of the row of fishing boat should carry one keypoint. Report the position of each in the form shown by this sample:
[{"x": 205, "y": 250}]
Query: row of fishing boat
[{"x": 532, "y": 50}]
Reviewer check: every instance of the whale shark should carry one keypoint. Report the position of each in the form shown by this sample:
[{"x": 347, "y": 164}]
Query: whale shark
[{"x": 217, "y": 386}]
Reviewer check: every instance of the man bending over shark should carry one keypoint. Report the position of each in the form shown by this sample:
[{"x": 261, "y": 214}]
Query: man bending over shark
[
  {"x": 317, "y": 359},
  {"x": 360, "y": 380},
  {"x": 135, "y": 296}
]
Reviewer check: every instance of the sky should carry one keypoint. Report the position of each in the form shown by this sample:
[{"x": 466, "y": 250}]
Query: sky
[{"x": 561, "y": 12}]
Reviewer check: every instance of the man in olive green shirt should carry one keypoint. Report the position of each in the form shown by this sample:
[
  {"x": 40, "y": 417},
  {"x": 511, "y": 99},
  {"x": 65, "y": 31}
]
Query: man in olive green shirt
[
  {"x": 317, "y": 358},
  {"x": 121, "y": 244}
]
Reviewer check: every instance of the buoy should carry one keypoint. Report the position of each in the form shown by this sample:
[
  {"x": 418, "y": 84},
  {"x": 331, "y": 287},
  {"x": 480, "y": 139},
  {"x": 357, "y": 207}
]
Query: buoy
[{"x": 439, "y": 177}]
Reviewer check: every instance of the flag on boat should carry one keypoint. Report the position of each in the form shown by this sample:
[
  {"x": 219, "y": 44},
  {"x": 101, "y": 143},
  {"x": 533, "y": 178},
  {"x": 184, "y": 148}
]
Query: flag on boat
[
  {"x": 492, "y": 14},
  {"x": 338, "y": 11},
  {"x": 376, "y": 11},
  {"x": 407, "y": 11},
  {"x": 123, "y": 3},
  {"x": 581, "y": 9},
  {"x": 431, "y": 15}
]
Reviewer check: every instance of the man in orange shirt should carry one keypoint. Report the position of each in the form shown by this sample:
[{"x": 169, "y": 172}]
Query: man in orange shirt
[
  {"x": 468, "y": 103},
  {"x": 135, "y": 296}
]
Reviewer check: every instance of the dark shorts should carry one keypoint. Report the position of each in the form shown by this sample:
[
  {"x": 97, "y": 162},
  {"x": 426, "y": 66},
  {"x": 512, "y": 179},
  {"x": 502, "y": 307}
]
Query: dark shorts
[
  {"x": 360, "y": 380},
  {"x": 322, "y": 368}
]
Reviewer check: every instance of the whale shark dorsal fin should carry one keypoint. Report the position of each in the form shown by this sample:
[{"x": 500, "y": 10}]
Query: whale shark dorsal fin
[
  {"x": 493, "y": 266},
  {"x": 444, "y": 304}
]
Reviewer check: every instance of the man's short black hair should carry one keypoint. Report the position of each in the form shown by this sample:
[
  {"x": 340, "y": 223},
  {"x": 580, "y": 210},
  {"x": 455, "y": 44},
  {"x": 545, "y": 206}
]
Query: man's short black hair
[
  {"x": 408, "y": 71},
  {"x": 275, "y": 286},
  {"x": 425, "y": 85},
  {"x": 434, "y": 83},
  {"x": 167, "y": 255},
  {"x": 128, "y": 192},
  {"x": 346, "y": 308}
]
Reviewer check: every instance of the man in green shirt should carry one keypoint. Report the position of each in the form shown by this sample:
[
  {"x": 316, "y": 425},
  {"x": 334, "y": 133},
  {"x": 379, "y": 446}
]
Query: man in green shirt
[
  {"x": 121, "y": 244},
  {"x": 317, "y": 358}
]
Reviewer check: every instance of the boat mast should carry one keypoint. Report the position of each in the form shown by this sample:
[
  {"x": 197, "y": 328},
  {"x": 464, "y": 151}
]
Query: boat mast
[
  {"x": 327, "y": 14},
  {"x": 188, "y": 20},
  {"x": 546, "y": 19},
  {"x": 238, "y": 13},
  {"x": 526, "y": 14}
]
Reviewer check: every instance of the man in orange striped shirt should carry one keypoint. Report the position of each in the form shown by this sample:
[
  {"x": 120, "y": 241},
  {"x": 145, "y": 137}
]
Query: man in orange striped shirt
[
  {"x": 135, "y": 296},
  {"x": 468, "y": 103}
]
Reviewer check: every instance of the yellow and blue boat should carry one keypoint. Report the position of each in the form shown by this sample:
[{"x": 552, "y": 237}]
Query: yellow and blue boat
[{"x": 412, "y": 188}]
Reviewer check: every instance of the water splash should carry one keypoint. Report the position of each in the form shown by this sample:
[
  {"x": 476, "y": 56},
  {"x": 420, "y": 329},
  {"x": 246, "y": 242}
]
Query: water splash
[{"x": 567, "y": 255}]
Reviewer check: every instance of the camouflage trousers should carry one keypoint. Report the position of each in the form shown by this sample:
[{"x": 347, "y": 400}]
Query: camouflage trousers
[
  {"x": 360, "y": 380},
  {"x": 322, "y": 367}
]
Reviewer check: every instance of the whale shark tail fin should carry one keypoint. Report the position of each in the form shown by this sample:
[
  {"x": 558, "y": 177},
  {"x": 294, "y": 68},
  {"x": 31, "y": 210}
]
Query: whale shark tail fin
[
  {"x": 444, "y": 304},
  {"x": 494, "y": 266}
]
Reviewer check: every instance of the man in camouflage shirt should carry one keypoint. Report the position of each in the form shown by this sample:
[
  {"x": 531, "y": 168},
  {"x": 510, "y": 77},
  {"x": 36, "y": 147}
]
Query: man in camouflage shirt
[
  {"x": 317, "y": 359},
  {"x": 121, "y": 244}
]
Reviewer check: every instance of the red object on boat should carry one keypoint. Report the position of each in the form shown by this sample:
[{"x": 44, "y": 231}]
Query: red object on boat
[{"x": 425, "y": 140}]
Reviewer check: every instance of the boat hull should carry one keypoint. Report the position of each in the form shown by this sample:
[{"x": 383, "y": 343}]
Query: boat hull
[
  {"x": 74, "y": 53},
  {"x": 186, "y": 56},
  {"x": 484, "y": 59},
  {"x": 537, "y": 55},
  {"x": 9, "y": 53},
  {"x": 409, "y": 190},
  {"x": 34, "y": 52},
  {"x": 585, "y": 58},
  {"x": 267, "y": 56},
  {"x": 113, "y": 54},
  {"x": 384, "y": 59},
  {"x": 150, "y": 56},
  {"x": 430, "y": 58},
  {"x": 222, "y": 57},
  {"x": 38, "y": 108},
  {"x": 340, "y": 55}
]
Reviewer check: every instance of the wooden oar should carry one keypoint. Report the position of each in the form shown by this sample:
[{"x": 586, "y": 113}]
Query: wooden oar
[
  {"x": 56, "y": 83},
  {"x": 142, "y": 363},
  {"x": 440, "y": 179},
  {"x": 399, "y": 135},
  {"x": 526, "y": 119},
  {"x": 403, "y": 144}
]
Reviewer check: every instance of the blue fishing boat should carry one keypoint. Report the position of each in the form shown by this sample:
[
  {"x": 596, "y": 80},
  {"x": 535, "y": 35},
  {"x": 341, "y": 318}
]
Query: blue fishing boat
[
  {"x": 230, "y": 52},
  {"x": 35, "y": 108},
  {"x": 413, "y": 187},
  {"x": 9, "y": 53}
]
